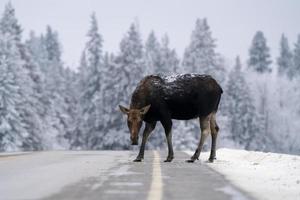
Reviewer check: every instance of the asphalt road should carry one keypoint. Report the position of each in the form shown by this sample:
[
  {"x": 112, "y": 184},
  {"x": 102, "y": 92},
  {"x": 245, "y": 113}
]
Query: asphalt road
[{"x": 94, "y": 175}]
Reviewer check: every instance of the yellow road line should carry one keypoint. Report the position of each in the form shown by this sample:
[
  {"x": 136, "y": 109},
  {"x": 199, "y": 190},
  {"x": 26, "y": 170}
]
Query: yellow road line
[{"x": 155, "y": 192}]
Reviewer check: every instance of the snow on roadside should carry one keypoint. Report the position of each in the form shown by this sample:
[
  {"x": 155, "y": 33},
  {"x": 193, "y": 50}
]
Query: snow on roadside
[{"x": 267, "y": 176}]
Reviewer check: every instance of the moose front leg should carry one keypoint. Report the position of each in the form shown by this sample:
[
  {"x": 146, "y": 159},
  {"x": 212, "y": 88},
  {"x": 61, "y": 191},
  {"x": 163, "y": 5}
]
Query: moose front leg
[
  {"x": 149, "y": 127},
  {"x": 205, "y": 131},
  {"x": 168, "y": 131}
]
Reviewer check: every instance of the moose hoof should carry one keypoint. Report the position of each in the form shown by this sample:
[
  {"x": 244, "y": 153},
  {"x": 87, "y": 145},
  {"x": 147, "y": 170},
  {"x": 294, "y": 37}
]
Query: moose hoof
[
  {"x": 138, "y": 160},
  {"x": 212, "y": 159},
  {"x": 192, "y": 160},
  {"x": 168, "y": 160}
]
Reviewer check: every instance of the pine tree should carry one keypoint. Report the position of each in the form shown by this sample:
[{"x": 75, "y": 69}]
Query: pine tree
[
  {"x": 55, "y": 95},
  {"x": 78, "y": 133},
  {"x": 243, "y": 120},
  {"x": 200, "y": 56},
  {"x": 114, "y": 136},
  {"x": 27, "y": 77},
  {"x": 9, "y": 24},
  {"x": 90, "y": 125},
  {"x": 13, "y": 132},
  {"x": 297, "y": 57},
  {"x": 259, "y": 53},
  {"x": 285, "y": 59},
  {"x": 152, "y": 54},
  {"x": 131, "y": 62},
  {"x": 169, "y": 58}
]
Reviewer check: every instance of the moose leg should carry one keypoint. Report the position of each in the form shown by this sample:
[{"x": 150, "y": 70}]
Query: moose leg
[
  {"x": 214, "y": 134},
  {"x": 205, "y": 131},
  {"x": 167, "y": 124},
  {"x": 149, "y": 127}
]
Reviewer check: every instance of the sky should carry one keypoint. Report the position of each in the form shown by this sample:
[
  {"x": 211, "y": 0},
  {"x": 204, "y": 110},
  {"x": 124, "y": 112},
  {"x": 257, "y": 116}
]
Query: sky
[{"x": 233, "y": 22}]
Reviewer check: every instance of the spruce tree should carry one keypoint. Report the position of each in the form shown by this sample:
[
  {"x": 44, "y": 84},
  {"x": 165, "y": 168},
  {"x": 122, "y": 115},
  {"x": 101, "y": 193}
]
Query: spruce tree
[
  {"x": 131, "y": 62},
  {"x": 169, "y": 58},
  {"x": 296, "y": 59},
  {"x": 243, "y": 119},
  {"x": 90, "y": 102},
  {"x": 27, "y": 78},
  {"x": 114, "y": 136},
  {"x": 200, "y": 56},
  {"x": 13, "y": 133},
  {"x": 152, "y": 54},
  {"x": 285, "y": 59},
  {"x": 259, "y": 54}
]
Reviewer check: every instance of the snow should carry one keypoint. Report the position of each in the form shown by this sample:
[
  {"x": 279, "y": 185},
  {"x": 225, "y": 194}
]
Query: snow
[
  {"x": 235, "y": 194},
  {"x": 263, "y": 175}
]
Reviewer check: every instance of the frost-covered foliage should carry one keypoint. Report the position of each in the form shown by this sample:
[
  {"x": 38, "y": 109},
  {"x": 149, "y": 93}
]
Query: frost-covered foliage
[
  {"x": 200, "y": 56},
  {"x": 259, "y": 54},
  {"x": 239, "y": 107},
  {"x": 18, "y": 110},
  {"x": 285, "y": 59},
  {"x": 169, "y": 58},
  {"x": 160, "y": 58},
  {"x": 86, "y": 134},
  {"x": 152, "y": 54},
  {"x": 297, "y": 57},
  {"x": 45, "y": 105}
]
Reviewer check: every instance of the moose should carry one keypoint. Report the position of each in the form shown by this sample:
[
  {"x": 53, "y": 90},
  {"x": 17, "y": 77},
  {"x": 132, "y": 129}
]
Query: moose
[{"x": 181, "y": 97}]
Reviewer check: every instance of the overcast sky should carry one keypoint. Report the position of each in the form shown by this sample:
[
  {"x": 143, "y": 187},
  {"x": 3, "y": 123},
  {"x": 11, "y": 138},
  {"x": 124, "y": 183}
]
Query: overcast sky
[{"x": 233, "y": 22}]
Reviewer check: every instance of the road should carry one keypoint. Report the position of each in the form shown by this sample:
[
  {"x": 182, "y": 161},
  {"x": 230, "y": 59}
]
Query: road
[{"x": 91, "y": 175}]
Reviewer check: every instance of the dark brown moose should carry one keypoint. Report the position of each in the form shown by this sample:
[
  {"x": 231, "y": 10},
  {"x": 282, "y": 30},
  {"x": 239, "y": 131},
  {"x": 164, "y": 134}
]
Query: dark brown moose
[{"x": 181, "y": 97}]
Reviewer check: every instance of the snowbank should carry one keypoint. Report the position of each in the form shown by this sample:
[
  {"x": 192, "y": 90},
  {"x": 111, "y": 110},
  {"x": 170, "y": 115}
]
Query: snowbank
[{"x": 263, "y": 175}]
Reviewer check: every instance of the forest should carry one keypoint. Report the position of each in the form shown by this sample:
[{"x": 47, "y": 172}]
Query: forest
[{"x": 46, "y": 105}]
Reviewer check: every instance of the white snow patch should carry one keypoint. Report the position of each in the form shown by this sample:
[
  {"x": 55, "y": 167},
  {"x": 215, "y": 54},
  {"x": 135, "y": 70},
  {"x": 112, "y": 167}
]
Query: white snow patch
[
  {"x": 172, "y": 78},
  {"x": 263, "y": 175},
  {"x": 235, "y": 195}
]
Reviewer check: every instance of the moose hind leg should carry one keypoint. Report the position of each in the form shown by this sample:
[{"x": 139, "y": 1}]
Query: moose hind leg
[
  {"x": 205, "y": 131},
  {"x": 214, "y": 134},
  {"x": 168, "y": 131},
  {"x": 149, "y": 127}
]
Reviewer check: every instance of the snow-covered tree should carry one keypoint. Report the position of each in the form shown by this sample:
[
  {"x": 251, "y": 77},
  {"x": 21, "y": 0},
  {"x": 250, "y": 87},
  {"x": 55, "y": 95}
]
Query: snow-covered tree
[
  {"x": 131, "y": 62},
  {"x": 152, "y": 54},
  {"x": 259, "y": 54},
  {"x": 169, "y": 58},
  {"x": 91, "y": 74},
  {"x": 27, "y": 78},
  {"x": 12, "y": 130},
  {"x": 114, "y": 135},
  {"x": 160, "y": 58},
  {"x": 243, "y": 119},
  {"x": 297, "y": 57},
  {"x": 200, "y": 56},
  {"x": 17, "y": 119},
  {"x": 285, "y": 59},
  {"x": 9, "y": 24}
]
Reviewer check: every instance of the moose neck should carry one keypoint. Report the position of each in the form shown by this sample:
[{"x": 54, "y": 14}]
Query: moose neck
[{"x": 137, "y": 101}]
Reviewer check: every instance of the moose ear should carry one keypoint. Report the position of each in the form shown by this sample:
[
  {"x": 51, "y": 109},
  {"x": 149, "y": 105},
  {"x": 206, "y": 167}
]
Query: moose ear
[
  {"x": 145, "y": 109},
  {"x": 123, "y": 109}
]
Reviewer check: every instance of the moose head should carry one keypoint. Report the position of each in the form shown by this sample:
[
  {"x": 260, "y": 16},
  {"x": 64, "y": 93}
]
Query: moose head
[{"x": 134, "y": 121}]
